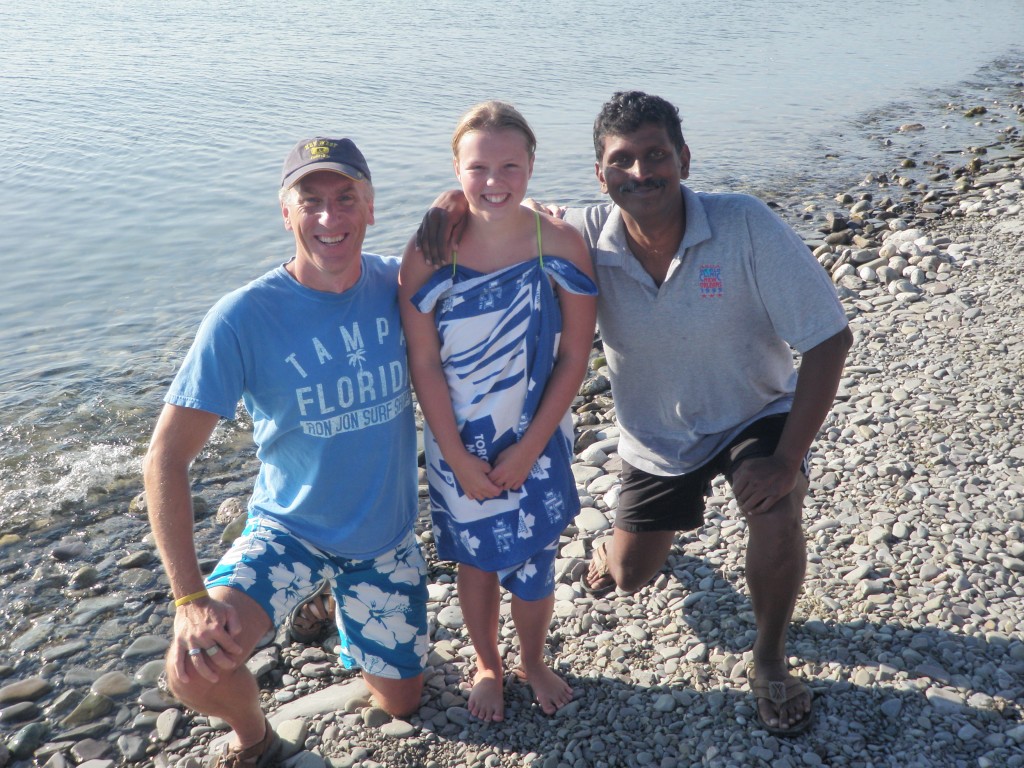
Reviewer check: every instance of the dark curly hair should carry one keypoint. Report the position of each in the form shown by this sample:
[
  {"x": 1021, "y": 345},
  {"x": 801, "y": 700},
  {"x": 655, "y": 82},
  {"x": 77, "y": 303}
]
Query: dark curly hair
[{"x": 626, "y": 111}]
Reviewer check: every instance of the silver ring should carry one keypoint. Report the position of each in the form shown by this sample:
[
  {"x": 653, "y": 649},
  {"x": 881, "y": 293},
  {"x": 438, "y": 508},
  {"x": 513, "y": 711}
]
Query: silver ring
[
  {"x": 213, "y": 650},
  {"x": 194, "y": 652}
]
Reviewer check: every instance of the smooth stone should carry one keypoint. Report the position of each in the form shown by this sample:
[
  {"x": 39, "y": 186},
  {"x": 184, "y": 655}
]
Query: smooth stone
[
  {"x": 147, "y": 645},
  {"x": 68, "y": 551},
  {"x": 666, "y": 702},
  {"x": 29, "y": 689},
  {"x": 90, "y": 709},
  {"x": 89, "y": 749},
  {"x": 25, "y": 742},
  {"x": 459, "y": 715},
  {"x": 233, "y": 529},
  {"x": 149, "y": 673},
  {"x": 137, "y": 578},
  {"x": 592, "y": 520},
  {"x": 167, "y": 724},
  {"x": 306, "y": 759},
  {"x": 64, "y": 650},
  {"x": 450, "y": 617},
  {"x": 293, "y": 732},
  {"x": 263, "y": 661},
  {"x": 397, "y": 729},
  {"x": 34, "y": 637},
  {"x": 584, "y": 475},
  {"x": 114, "y": 684},
  {"x": 334, "y": 698},
  {"x": 157, "y": 700},
  {"x": 602, "y": 484},
  {"x": 438, "y": 593},
  {"x": 375, "y": 717},
  {"x": 85, "y": 577},
  {"x": 19, "y": 711},
  {"x": 136, "y": 559},
  {"x": 131, "y": 747},
  {"x": 891, "y": 708},
  {"x": 944, "y": 699},
  {"x": 91, "y": 608}
]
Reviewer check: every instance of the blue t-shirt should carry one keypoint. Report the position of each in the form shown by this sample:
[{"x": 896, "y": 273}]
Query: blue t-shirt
[{"x": 325, "y": 378}]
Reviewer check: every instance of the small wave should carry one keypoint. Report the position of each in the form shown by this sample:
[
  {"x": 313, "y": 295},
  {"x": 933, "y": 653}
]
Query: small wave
[{"x": 70, "y": 478}]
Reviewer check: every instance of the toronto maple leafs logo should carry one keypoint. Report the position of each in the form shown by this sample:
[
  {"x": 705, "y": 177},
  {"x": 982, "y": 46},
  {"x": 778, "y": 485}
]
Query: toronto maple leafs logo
[
  {"x": 503, "y": 536},
  {"x": 540, "y": 468},
  {"x": 526, "y": 523},
  {"x": 490, "y": 295},
  {"x": 555, "y": 505},
  {"x": 527, "y": 572},
  {"x": 470, "y": 542}
]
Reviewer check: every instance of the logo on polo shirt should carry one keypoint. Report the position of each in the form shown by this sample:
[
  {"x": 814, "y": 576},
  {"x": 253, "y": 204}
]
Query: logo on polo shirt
[{"x": 711, "y": 286}]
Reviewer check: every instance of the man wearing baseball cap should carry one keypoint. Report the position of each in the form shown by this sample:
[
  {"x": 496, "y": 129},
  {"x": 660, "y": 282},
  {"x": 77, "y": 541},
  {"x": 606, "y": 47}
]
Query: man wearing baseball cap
[{"x": 315, "y": 352}]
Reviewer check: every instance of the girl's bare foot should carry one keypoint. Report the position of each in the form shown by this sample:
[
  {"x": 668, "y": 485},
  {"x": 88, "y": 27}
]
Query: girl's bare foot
[
  {"x": 551, "y": 691},
  {"x": 487, "y": 699}
]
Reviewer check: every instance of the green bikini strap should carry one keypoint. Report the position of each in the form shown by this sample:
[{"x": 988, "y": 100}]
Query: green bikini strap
[{"x": 540, "y": 245}]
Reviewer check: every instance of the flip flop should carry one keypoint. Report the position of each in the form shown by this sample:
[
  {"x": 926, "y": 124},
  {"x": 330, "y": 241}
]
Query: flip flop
[
  {"x": 778, "y": 692},
  {"x": 304, "y": 625},
  {"x": 600, "y": 561}
]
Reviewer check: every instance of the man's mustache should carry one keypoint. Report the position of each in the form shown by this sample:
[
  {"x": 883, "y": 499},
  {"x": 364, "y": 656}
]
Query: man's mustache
[{"x": 633, "y": 186}]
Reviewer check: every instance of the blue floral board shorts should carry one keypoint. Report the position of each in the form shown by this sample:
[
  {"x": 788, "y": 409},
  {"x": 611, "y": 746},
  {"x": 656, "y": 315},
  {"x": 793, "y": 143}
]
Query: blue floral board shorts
[{"x": 381, "y": 603}]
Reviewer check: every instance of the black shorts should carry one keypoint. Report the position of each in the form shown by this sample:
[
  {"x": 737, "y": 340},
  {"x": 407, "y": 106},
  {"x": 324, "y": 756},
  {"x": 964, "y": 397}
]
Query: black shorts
[{"x": 676, "y": 503}]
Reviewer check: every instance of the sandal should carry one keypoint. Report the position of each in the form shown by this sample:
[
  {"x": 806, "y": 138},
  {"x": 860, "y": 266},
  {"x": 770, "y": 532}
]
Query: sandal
[
  {"x": 778, "y": 692},
  {"x": 600, "y": 562},
  {"x": 312, "y": 620},
  {"x": 263, "y": 754}
]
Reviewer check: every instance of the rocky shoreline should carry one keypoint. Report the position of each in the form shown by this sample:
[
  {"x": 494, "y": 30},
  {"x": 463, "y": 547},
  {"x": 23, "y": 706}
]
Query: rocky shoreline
[{"x": 910, "y": 628}]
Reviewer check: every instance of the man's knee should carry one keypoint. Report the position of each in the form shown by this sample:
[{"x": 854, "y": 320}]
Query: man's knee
[
  {"x": 190, "y": 690},
  {"x": 399, "y": 698},
  {"x": 629, "y": 577},
  {"x": 634, "y": 559},
  {"x": 779, "y": 531}
]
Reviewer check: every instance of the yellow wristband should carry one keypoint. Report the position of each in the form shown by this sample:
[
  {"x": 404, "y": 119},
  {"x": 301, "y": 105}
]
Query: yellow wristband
[{"x": 191, "y": 598}]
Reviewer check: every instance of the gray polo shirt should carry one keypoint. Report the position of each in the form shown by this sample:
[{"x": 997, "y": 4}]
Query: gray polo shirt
[{"x": 697, "y": 359}]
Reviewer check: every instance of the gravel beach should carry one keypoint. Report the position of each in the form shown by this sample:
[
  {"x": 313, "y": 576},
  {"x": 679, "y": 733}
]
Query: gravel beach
[{"x": 909, "y": 630}]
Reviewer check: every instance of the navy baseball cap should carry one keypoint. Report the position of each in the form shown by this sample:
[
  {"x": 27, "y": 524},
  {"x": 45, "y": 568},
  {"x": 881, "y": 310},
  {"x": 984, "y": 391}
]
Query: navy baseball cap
[{"x": 322, "y": 154}]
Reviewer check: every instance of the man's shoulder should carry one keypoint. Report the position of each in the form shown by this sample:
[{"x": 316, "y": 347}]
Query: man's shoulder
[
  {"x": 735, "y": 202},
  {"x": 589, "y": 220},
  {"x": 383, "y": 265},
  {"x": 250, "y": 293},
  {"x": 380, "y": 273}
]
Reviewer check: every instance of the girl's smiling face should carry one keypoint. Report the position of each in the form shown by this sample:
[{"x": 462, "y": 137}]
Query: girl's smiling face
[{"x": 494, "y": 168}]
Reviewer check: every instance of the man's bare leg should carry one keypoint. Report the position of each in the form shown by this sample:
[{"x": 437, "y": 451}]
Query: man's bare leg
[
  {"x": 776, "y": 562},
  {"x": 533, "y": 620},
  {"x": 399, "y": 698},
  {"x": 633, "y": 558},
  {"x": 234, "y": 696},
  {"x": 480, "y": 599}
]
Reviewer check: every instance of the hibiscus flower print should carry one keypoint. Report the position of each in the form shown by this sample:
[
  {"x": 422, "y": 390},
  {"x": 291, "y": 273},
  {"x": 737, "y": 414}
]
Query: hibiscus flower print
[{"x": 382, "y": 615}]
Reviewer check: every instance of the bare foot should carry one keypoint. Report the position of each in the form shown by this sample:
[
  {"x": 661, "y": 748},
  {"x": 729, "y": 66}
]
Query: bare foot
[
  {"x": 550, "y": 690},
  {"x": 783, "y": 701},
  {"x": 487, "y": 700}
]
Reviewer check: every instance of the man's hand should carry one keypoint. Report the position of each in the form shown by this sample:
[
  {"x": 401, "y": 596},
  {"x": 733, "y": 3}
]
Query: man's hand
[
  {"x": 555, "y": 211},
  {"x": 206, "y": 625},
  {"x": 441, "y": 229},
  {"x": 759, "y": 484}
]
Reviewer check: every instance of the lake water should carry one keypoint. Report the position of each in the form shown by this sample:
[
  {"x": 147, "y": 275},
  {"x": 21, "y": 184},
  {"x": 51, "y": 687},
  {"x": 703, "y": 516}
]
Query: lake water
[{"x": 140, "y": 148}]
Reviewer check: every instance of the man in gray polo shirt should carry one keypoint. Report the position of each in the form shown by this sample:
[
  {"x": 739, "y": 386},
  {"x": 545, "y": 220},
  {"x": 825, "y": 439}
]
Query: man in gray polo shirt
[{"x": 701, "y": 298}]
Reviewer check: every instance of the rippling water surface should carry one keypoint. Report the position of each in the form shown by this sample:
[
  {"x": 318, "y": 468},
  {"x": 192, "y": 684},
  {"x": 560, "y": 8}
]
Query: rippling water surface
[{"x": 140, "y": 147}]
